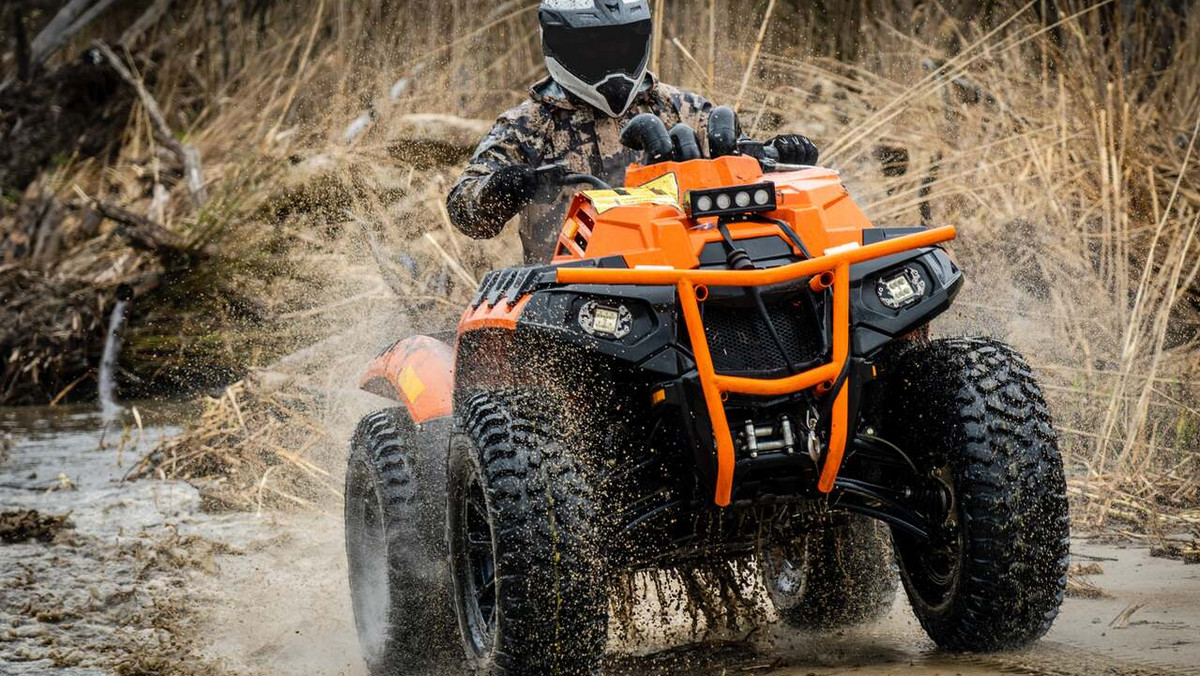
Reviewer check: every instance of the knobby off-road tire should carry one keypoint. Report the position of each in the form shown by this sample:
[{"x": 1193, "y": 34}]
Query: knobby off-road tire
[
  {"x": 970, "y": 411},
  {"x": 521, "y": 504},
  {"x": 837, "y": 576},
  {"x": 394, "y": 515}
]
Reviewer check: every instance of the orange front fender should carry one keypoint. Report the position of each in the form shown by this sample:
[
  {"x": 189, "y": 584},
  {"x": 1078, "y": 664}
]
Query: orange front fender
[{"x": 418, "y": 372}]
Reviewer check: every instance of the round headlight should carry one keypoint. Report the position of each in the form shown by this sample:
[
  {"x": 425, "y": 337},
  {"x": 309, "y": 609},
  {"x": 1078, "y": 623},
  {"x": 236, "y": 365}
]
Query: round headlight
[
  {"x": 723, "y": 201},
  {"x": 742, "y": 199},
  {"x": 703, "y": 203},
  {"x": 761, "y": 197}
]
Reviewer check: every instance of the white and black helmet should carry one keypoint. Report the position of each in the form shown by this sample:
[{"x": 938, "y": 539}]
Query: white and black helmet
[{"x": 597, "y": 49}]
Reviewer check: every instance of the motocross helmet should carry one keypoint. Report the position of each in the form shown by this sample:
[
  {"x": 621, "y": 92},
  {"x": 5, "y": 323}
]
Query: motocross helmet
[{"x": 597, "y": 49}]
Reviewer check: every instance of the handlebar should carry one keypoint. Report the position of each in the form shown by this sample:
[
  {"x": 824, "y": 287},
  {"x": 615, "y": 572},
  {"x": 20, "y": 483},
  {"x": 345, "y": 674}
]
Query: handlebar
[
  {"x": 593, "y": 181},
  {"x": 648, "y": 133},
  {"x": 557, "y": 175}
]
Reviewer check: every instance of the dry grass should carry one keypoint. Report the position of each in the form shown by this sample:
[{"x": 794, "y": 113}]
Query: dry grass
[
  {"x": 250, "y": 449},
  {"x": 1063, "y": 146}
]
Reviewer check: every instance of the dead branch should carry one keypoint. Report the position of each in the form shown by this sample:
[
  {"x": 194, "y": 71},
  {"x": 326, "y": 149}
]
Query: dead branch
[
  {"x": 72, "y": 18},
  {"x": 188, "y": 155},
  {"x": 142, "y": 233},
  {"x": 151, "y": 16}
]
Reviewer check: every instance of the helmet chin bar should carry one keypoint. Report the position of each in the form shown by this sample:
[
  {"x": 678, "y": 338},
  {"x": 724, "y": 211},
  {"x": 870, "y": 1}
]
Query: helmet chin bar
[{"x": 613, "y": 95}]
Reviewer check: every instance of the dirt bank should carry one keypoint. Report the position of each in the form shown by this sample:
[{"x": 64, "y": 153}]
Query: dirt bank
[{"x": 146, "y": 582}]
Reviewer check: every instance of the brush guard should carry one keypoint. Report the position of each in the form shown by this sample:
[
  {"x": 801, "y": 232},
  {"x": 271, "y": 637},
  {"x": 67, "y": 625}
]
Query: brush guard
[{"x": 716, "y": 387}]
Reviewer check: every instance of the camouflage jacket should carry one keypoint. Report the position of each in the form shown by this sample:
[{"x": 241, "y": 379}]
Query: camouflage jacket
[{"x": 554, "y": 127}]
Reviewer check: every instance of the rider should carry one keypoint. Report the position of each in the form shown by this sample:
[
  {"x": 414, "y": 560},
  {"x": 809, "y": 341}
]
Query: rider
[{"x": 597, "y": 53}]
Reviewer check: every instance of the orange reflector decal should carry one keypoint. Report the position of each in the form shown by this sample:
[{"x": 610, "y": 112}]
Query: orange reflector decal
[
  {"x": 411, "y": 383},
  {"x": 658, "y": 397}
]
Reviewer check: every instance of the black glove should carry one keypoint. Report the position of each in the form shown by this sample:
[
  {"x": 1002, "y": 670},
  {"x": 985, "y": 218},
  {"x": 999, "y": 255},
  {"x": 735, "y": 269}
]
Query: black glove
[
  {"x": 794, "y": 149},
  {"x": 509, "y": 189}
]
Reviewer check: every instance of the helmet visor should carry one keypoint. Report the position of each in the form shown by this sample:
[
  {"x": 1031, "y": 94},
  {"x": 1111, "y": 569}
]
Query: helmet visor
[{"x": 594, "y": 53}]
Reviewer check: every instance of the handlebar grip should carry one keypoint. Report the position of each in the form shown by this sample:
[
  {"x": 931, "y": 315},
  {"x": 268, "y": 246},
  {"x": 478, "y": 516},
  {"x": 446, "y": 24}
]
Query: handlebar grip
[
  {"x": 687, "y": 146},
  {"x": 647, "y": 132},
  {"x": 724, "y": 130}
]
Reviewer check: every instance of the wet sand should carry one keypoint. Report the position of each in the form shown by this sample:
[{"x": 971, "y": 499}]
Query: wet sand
[
  {"x": 265, "y": 594},
  {"x": 297, "y": 623}
]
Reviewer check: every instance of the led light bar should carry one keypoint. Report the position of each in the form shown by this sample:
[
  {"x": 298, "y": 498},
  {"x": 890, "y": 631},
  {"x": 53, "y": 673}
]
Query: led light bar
[{"x": 732, "y": 201}]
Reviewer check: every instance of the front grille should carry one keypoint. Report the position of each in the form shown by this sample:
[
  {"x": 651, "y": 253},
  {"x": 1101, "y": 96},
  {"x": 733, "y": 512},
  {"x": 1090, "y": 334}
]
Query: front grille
[{"x": 740, "y": 342}]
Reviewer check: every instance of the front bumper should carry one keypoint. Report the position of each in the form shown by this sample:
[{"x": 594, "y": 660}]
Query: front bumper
[{"x": 832, "y": 270}]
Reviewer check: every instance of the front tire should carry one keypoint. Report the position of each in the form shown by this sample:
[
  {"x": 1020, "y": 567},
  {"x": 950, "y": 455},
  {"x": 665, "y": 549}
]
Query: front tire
[
  {"x": 399, "y": 583},
  {"x": 973, "y": 417},
  {"x": 530, "y": 590}
]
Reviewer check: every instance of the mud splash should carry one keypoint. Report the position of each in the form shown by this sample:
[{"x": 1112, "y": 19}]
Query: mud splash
[{"x": 112, "y": 352}]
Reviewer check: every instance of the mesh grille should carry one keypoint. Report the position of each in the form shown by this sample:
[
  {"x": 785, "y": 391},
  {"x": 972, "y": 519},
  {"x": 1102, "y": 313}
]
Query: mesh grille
[{"x": 740, "y": 342}]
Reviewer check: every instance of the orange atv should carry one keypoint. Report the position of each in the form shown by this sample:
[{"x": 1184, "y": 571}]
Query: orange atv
[{"x": 724, "y": 360}]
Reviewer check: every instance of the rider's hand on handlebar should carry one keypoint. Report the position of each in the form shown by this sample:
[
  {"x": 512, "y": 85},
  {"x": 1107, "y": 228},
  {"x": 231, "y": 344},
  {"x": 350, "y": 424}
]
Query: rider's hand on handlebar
[
  {"x": 525, "y": 181},
  {"x": 794, "y": 149},
  {"x": 551, "y": 175},
  {"x": 513, "y": 185}
]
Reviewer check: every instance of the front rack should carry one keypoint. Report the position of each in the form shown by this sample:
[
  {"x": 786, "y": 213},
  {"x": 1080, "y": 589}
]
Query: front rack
[{"x": 716, "y": 386}]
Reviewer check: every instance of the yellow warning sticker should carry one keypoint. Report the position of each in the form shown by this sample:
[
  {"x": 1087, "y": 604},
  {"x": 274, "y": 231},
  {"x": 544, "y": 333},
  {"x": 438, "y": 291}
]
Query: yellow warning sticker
[
  {"x": 666, "y": 184},
  {"x": 411, "y": 383},
  {"x": 662, "y": 190}
]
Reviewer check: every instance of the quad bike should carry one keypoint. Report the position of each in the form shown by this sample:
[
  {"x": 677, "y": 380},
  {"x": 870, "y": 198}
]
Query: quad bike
[{"x": 724, "y": 359}]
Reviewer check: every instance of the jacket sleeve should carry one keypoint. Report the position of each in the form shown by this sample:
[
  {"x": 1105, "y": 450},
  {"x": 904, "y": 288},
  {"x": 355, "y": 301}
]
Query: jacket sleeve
[{"x": 473, "y": 208}]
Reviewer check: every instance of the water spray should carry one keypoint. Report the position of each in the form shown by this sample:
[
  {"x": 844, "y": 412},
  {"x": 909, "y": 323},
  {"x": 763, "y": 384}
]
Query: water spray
[{"x": 112, "y": 351}]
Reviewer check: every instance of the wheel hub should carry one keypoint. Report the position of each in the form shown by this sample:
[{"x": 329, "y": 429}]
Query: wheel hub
[
  {"x": 479, "y": 577},
  {"x": 939, "y": 558}
]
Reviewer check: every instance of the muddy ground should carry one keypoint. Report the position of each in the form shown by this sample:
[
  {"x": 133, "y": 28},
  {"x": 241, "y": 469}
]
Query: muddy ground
[{"x": 140, "y": 580}]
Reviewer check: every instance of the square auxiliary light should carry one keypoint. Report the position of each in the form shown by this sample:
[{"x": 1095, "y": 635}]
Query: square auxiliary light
[
  {"x": 732, "y": 201},
  {"x": 612, "y": 321},
  {"x": 900, "y": 289}
]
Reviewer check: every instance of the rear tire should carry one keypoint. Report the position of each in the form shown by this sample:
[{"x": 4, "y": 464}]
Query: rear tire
[
  {"x": 399, "y": 582},
  {"x": 530, "y": 589},
  {"x": 973, "y": 417},
  {"x": 839, "y": 575}
]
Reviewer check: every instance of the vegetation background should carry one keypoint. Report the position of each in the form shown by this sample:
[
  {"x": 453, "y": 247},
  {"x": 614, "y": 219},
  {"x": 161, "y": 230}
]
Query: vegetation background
[{"x": 267, "y": 179}]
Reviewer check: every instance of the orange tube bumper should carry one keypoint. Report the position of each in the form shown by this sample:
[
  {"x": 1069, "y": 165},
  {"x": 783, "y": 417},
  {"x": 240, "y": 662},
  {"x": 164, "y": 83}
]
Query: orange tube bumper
[{"x": 715, "y": 385}]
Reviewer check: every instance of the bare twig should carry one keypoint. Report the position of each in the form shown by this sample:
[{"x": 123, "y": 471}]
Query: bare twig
[
  {"x": 298, "y": 78},
  {"x": 188, "y": 155},
  {"x": 151, "y": 16}
]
